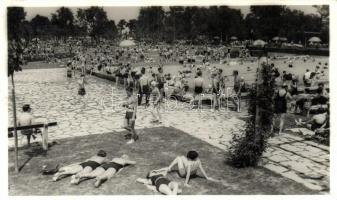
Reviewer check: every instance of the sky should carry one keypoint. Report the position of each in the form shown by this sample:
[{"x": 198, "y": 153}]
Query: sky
[{"x": 118, "y": 13}]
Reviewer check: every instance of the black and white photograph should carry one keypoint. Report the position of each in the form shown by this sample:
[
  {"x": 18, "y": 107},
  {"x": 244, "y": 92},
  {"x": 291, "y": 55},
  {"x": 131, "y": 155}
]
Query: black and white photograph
[{"x": 167, "y": 99}]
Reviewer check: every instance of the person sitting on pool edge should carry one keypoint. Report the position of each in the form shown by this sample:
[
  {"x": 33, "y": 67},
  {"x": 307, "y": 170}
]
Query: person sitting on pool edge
[
  {"x": 106, "y": 171},
  {"x": 82, "y": 168},
  {"x": 156, "y": 180},
  {"x": 188, "y": 166}
]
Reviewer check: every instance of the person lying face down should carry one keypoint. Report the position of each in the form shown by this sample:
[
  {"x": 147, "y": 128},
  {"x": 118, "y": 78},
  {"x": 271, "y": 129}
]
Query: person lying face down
[
  {"x": 156, "y": 180},
  {"x": 82, "y": 168},
  {"x": 188, "y": 166},
  {"x": 106, "y": 171}
]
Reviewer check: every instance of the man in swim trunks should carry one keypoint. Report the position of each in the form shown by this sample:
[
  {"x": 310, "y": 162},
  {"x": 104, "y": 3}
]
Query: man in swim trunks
[
  {"x": 106, "y": 171},
  {"x": 198, "y": 88},
  {"x": 81, "y": 168},
  {"x": 215, "y": 90},
  {"x": 161, "y": 81},
  {"x": 144, "y": 88}
]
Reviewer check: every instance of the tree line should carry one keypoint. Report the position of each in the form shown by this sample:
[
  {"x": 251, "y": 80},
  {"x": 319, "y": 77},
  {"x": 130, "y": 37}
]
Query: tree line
[{"x": 197, "y": 24}]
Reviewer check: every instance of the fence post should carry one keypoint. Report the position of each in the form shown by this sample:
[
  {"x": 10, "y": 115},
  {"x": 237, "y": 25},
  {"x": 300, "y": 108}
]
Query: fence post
[{"x": 45, "y": 137}]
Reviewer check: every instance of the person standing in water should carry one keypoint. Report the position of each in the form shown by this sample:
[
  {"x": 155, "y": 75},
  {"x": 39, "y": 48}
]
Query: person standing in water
[{"x": 81, "y": 89}]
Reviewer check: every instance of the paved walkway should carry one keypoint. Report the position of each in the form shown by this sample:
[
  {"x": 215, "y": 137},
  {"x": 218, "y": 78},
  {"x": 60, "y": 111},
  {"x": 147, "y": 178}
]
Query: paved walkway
[{"x": 55, "y": 98}]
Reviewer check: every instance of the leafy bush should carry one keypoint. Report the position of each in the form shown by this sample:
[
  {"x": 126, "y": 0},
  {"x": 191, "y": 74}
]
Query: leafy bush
[{"x": 246, "y": 149}]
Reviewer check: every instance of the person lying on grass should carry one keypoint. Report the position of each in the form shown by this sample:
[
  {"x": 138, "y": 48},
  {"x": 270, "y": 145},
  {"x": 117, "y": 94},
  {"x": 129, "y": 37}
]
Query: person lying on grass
[
  {"x": 82, "y": 168},
  {"x": 188, "y": 166},
  {"x": 156, "y": 180},
  {"x": 317, "y": 121},
  {"x": 106, "y": 171}
]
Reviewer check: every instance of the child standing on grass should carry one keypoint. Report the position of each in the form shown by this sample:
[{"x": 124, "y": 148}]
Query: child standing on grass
[{"x": 130, "y": 115}]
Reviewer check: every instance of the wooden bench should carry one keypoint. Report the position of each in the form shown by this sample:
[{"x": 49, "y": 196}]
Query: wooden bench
[{"x": 40, "y": 125}]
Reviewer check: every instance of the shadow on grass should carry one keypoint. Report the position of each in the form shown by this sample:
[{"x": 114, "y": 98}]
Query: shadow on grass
[{"x": 35, "y": 150}]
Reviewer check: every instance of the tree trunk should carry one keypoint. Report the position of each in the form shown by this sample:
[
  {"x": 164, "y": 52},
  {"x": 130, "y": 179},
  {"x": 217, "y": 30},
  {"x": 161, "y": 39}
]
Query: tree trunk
[
  {"x": 257, "y": 109},
  {"x": 15, "y": 125}
]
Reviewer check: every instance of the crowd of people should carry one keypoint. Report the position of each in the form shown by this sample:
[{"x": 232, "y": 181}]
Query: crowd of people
[
  {"x": 312, "y": 100},
  {"x": 140, "y": 73},
  {"x": 139, "y": 70},
  {"x": 149, "y": 81}
]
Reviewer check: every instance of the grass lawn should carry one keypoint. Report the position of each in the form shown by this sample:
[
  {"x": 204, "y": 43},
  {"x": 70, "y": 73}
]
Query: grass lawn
[{"x": 156, "y": 148}]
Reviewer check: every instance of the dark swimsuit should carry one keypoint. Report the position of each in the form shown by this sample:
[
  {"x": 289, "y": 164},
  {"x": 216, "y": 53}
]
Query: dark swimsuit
[
  {"x": 114, "y": 165},
  {"x": 129, "y": 114},
  {"x": 81, "y": 91},
  {"x": 158, "y": 180},
  {"x": 90, "y": 163},
  {"x": 69, "y": 73},
  {"x": 280, "y": 104},
  {"x": 198, "y": 90},
  {"x": 216, "y": 90}
]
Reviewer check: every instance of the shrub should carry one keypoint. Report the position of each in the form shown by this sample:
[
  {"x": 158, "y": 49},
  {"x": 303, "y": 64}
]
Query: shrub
[{"x": 247, "y": 148}]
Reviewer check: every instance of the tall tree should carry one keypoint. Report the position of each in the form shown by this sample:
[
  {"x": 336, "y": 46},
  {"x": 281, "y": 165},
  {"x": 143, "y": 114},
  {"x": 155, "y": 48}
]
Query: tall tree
[
  {"x": 151, "y": 22},
  {"x": 95, "y": 21},
  {"x": 265, "y": 20},
  {"x": 40, "y": 25},
  {"x": 132, "y": 25},
  {"x": 324, "y": 13},
  {"x": 15, "y": 19},
  {"x": 121, "y": 26},
  {"x": 64, "y": 20}
]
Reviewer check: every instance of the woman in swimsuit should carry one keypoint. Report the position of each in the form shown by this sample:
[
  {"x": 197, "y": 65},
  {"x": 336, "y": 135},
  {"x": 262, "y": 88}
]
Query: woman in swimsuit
[
  {"x": 106, "y": 171},
  {"x": 130, "y": 115},
  {"x": 188, "y": 166},
  {"x": 84, "y": 167},
  {"x": 156, "y": 180},
  {"x": 280, "y": 102}
]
